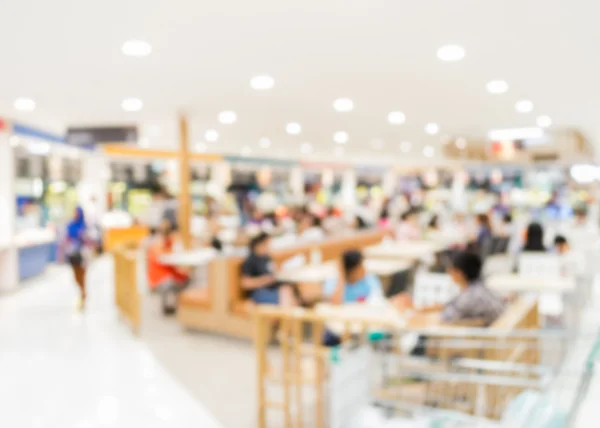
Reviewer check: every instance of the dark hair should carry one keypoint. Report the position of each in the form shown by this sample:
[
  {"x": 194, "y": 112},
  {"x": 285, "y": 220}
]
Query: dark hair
[
  {"x": 406, "y": 214},
  {"x": 469, "y": 264},
  {"x": 560, "y": 240},
  {"x": 258, "y": 239},
  {"x": 360, "y": 223},
  {"x": 535, "y": 238},
  {"x": 385, "y": 213},
  {"x": 484, "y": 220},
  {"x": 316, "y": 221},
  {"x": 507, "y": 218},
  {"x": 433, "y": 223},
  {"x": 351, "y": 260}
]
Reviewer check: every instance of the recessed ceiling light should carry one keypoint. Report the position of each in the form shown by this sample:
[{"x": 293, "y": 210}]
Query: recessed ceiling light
[
  {"x": 144, "y": 142},
  {"x": 265, "y": 143},
  {"x": 306, "y": 148},
  {"x": 246, "y": 151},
  {"x": 341, "y": 137},
  {"x": 24, "y": 104},
  {"x": 432, "y": 128},
  {"x": 543, "y": 121},
  {"x": 132, "y": 104},
  {"x": 293, "y": 128},
  {"x": 339, "y": 151},
  {"x": 405, "y": 146},
  {"x": 211, "y": 135},
  {"x": 201, "y": 147},
  {"x": 227, "y": 117},
  {"x": 262, "y": 82},
  {"x": 461, "y": 143},
  {"x": 377, "y": 144},
  {"x": 451, "y": 53},
  {"x": 524, "y": 106},
  {"x": 396, "y": 118},
  {"x": 428, "y": 151},
  {"x": 343, "y": 105},
  {"x": 497, "y": 87},
  {"x": 136, "y": 48}
]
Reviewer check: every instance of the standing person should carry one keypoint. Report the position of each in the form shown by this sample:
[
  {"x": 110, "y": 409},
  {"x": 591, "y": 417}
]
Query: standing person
[{"x": 75, "y": 251}]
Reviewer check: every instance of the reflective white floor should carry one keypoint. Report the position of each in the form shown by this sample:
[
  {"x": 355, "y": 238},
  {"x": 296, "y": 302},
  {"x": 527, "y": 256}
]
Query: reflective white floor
[{"x": 60, "y": 368}]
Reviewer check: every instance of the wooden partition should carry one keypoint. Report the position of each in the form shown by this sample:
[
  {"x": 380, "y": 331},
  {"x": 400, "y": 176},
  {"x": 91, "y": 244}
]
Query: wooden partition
[
  {"x": 223, "y": 305},
  {"x": 127, "y": 296}
]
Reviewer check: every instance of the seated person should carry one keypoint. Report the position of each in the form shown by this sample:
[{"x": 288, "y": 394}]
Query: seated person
[
  {"x": 353, "y": 283},
  {"x": 475, "y": 302},
  {"x": 408, "y": 229},
  {"x": 169, "y": 280},
  {"x": 258, "y": 276},
  {"x": 534, "y": 240},
  {"x": 309, "y": 229},
  {"x": 571, "y": 263}
]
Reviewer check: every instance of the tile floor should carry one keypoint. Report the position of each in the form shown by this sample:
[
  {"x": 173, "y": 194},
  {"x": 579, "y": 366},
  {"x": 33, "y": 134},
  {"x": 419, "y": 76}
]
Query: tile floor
[{"x": 60, "y": 368}]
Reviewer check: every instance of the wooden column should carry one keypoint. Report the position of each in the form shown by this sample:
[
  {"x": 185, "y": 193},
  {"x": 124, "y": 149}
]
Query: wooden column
[{"x": 185, "y": 203}]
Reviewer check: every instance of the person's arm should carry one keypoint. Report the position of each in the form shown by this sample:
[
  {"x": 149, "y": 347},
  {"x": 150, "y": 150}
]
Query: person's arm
[
  {"x": 337, "y": 297},
  {"x": 252, "y": 283}
]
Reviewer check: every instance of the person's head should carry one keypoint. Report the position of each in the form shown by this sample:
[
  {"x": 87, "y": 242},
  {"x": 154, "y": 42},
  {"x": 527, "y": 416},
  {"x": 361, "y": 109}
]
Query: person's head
[
  {"x": 465, "y": 268},
  {"x": 257, "y": 214},
  {"x": 385, "y": 213},
  {"x": 409, "y": 216},
  {"x": 260, "y": 244},
  {"x": 165, "y": 228},
  {"x": 580, "y": 215},
  {"x": 507, "y": 219},
  {"x": 434, "y": 223},
  {"x": 78, "y": 215},
  {"x": 561, "y": 245},
  {"x": 535, "y": 238},
  {"x": 483, "y": 220},
  {"x": 359, "y": 223},
  {"x": 354, "y": 266}
]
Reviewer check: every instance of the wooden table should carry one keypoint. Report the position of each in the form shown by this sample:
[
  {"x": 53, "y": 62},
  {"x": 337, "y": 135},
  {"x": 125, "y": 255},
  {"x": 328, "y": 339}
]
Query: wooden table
[
  {"x": 407, "y": 250},
  {"x": 509, "y": 283},
  {"x": 191, "y": 258}
]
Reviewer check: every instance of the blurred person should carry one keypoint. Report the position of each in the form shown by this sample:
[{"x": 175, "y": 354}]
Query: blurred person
[
  {"x": 332, "y": 224},
  {"x": 534, "y": 239},
  {"x": 572, "y": 263},
  {"x": 168, "y": 280},
  {"x": 384, "y": 222},
  {"x": 408, "y": 229},
  {"x": 75, "y": 250},
  {"x": 309, "y": 229},
  {"x": 353, "y": 282},
  {"x": 258, "y": 276},
  {"x": 358, "y": 223}
]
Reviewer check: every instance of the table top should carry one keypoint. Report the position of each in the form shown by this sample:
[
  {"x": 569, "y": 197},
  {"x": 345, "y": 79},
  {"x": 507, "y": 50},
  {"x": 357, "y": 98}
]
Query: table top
[
  {"x": 411, "y": 250},
  {"x": 189, "y": 258},
  {"x": 534, "y": 283},
  {"x": 324, "y": 271}
]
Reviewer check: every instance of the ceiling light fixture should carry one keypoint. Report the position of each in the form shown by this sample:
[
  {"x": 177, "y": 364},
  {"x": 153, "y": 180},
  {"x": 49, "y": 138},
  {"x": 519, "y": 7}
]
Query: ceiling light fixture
[
  {"x": 343, "y": 105},
  {"x": 138, "y": 48},
  {"x": 341, "y": 137},
  {"x": 227, "y": 117},
  {"x": 524, "y": 106},
  {"x": 306, "y": 148},
  {"x": 432, "y": 128},
  {"x": 428, "y": 151},
  {"x": 396, "y": 118},
  {"x": 211, "y": 135},
  {"x": 265, "y": 143},
  {"x": 24, "y": 104},
  {"x": 293, "y": 128},
  {"x": 497, "y": 87},
  {"x": 451, "y": 53},
  {"x": 461, "y": 143},
  {"x": 405, "y": 146},
  {"x": 132, "y": 104},
  {"x": 543, "y": 121},
  {"x": 262, "y": 82}
]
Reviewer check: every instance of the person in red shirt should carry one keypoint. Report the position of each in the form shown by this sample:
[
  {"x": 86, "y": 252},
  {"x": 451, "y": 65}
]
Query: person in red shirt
[{"x": 168, "y": 280}]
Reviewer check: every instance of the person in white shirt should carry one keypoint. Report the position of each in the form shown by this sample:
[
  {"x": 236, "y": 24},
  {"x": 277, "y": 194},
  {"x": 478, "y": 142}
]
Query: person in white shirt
[{"x": 572, "y": 264}]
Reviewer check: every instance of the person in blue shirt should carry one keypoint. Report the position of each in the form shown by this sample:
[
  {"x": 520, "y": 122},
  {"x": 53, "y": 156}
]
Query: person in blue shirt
[{"x": 353, "y": 283}]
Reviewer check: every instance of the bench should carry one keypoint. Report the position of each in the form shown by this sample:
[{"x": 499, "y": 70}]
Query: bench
[{"x": 225, "y": 307}]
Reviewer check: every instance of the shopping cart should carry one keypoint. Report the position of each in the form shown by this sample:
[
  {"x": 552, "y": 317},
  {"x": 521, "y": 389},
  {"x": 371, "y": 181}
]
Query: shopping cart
[{"x": 382, "y": 374}]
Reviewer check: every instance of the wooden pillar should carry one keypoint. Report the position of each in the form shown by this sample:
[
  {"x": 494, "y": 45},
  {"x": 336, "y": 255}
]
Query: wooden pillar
[{"x": 185, "y": 203}]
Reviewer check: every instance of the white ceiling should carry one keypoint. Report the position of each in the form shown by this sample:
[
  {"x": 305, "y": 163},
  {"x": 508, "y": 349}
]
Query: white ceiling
[{"x": 66, "y": 54}]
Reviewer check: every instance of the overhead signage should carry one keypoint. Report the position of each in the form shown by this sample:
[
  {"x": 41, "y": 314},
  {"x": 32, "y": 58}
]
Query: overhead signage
[{"x": 88, "y": 136}]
